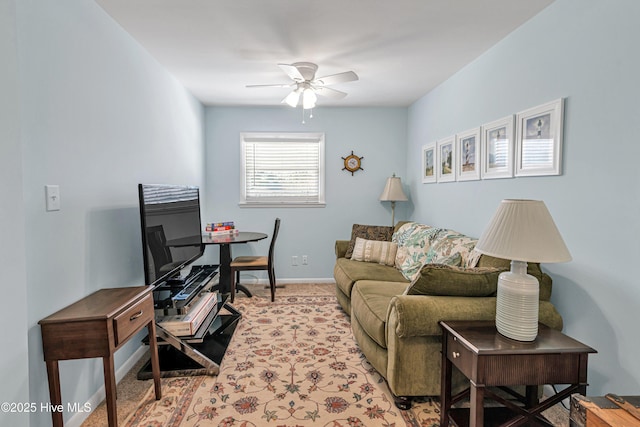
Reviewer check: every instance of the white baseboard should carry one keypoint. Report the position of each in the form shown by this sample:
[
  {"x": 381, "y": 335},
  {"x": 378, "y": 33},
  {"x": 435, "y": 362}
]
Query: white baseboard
[{"x": 99, "y": 396}]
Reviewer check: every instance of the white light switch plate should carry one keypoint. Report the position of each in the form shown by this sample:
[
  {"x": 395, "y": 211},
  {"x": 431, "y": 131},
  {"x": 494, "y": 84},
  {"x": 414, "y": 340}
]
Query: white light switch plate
[{"x": 52, "y": 194}]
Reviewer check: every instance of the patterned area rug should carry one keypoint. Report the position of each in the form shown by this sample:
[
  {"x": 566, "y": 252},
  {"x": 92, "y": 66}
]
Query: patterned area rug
[{"x": 291, "y": 363}]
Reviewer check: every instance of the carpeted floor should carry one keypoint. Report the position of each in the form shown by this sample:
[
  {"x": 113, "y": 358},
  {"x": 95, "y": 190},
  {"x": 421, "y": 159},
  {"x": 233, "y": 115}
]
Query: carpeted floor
[{"x": 132, "y": 391}]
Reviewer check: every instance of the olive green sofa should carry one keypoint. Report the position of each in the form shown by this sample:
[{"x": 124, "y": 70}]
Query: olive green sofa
[{"x": 395, "y": 319}]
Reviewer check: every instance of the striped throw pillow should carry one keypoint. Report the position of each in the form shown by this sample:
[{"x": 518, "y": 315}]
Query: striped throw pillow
[{"x": 374, "y": 251}]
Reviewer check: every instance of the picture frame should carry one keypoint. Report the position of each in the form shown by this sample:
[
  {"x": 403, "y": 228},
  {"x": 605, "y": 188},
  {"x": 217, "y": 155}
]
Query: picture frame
[
  {"x": 429, "y": 163},
  {"x": 446, "y": 160},
  {"x": 539, "y": 140},
  {"x": 498, "y": 148},
  {"x": 468, "y": 153}
]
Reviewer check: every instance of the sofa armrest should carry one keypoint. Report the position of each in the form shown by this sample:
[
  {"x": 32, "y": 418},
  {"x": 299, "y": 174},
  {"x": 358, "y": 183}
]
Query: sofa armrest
[
  {"x": 341, "y": 248},
  {"x": 418, "y": 315}
]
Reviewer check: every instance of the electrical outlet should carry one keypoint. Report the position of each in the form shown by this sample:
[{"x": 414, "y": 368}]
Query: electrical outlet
[
  {"x": 52, "y": 194},
  {"x": 305, "y": 260},
  {"x": 294, "y": 260}
]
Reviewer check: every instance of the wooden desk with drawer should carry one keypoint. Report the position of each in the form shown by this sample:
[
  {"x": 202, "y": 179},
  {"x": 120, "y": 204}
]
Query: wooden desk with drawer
[{"x": 97, "y": 326}]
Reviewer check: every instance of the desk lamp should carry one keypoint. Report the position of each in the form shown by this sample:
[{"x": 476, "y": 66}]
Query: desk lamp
[
  {"x": 522, "y": 231},
  {"x": 393, "y": 193}
]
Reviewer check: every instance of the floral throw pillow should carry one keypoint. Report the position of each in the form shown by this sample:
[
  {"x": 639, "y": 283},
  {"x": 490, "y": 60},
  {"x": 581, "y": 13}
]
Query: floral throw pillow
[
  {"x": 414, "y": 241},
  {"x": 452, "y": 248}
]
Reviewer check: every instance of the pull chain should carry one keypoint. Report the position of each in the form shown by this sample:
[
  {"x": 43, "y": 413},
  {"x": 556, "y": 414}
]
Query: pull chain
[{"x": 310, "y": 115}]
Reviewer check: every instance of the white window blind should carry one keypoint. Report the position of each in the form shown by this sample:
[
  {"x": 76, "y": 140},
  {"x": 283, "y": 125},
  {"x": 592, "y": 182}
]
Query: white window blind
[{"x": 282, "y": 169}]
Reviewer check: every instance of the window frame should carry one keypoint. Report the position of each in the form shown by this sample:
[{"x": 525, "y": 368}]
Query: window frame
[{"x": 271, "y": 137}]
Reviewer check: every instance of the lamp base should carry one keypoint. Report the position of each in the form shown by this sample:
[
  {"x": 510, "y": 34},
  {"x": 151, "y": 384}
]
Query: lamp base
[
  {"x": 393, "y": 213},
  {"x": 517, "y": 303}
]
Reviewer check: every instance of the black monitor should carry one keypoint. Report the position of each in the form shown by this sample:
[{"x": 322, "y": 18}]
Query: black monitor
[{"x": 171, "y": 230}]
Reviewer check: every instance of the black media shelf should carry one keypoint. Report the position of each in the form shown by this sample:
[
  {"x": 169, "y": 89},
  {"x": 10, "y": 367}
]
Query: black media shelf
[
  {"x": 175, "y": 363},
  {"x": 201, "y": 353}
]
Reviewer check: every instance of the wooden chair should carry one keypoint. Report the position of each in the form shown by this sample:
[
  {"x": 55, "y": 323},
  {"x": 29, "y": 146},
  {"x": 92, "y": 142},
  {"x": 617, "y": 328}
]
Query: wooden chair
[{"x": 247, "y": 263}]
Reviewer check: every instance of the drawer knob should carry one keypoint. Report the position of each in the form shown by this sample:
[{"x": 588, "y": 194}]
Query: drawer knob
[
  {"x": 135, "y": 316},
  {"x": 456, "y": 355}
]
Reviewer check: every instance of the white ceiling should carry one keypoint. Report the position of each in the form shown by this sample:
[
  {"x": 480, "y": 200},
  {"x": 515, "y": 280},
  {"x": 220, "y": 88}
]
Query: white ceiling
[{"x": 401, "y": 49}]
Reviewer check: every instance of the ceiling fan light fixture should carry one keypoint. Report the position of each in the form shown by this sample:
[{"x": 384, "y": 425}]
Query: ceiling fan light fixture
[
  {"x": 309, "y": 99},
  {"x": 292, "y": 98},
  {"x": 308, "y": 86}
]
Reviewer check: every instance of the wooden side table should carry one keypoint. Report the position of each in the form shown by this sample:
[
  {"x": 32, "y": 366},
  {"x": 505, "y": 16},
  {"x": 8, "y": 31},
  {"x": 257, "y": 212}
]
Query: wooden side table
[
  {"x": 489, "y": 359},
  {"x": 97, "y": 326}
]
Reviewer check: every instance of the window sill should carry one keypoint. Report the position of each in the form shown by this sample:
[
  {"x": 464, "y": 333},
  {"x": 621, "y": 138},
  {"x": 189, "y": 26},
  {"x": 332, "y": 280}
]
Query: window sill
[{"x": 281, "y": 205}]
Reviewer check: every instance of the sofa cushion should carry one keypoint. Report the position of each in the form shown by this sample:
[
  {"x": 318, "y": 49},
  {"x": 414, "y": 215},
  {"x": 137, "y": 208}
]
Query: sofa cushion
[
  {"x": 437, "y": 279},
  {"x": 369, "y": 304},
  {"x": 374, "y": 251},
  {"x": 369, "y": 232},
  {"x": 347, "y": 272}
]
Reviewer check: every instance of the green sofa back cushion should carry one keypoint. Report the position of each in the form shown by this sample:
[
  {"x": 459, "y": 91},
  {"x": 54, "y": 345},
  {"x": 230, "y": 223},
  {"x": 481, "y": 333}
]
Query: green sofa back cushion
[{"x": 446, "y": 280}]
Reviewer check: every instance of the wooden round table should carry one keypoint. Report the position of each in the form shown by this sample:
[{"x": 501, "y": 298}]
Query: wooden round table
[{"x": 225, "y": 241}]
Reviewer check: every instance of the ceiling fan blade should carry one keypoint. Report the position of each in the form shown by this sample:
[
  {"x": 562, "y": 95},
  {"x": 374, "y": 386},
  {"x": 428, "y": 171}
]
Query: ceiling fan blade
[
  {"x": 347, "y": 76},
  {"x": 280, "y": 85},
  {"x": 292, "y": 72},
  {"x": 329, "y": 93}
]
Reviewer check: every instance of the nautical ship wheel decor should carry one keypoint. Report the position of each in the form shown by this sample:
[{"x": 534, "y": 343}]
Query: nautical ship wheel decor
[{"x": 352, "y": 163}]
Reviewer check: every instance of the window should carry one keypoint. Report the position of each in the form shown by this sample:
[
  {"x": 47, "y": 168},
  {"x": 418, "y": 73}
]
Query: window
[{"x": 282, "y": 169}]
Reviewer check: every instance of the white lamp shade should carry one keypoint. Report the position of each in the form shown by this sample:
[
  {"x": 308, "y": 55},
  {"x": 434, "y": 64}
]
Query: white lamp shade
[
  {"x": 523, "y": 230},
  {"x": 393, "y": 191}
]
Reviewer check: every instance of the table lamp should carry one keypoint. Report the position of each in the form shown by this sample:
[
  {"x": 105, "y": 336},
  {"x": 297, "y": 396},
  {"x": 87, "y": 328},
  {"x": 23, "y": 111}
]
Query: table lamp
[
  {"x": 522, "y": 231},
  {"x": 393, "y": 193}
]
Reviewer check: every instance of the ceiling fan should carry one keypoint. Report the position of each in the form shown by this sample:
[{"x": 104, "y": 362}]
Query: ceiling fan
[{"x": 306, "y": 86}]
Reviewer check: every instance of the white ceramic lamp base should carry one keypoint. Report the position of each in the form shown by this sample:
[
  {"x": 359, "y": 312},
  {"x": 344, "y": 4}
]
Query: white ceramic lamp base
[{"x": 517, "y": 303}]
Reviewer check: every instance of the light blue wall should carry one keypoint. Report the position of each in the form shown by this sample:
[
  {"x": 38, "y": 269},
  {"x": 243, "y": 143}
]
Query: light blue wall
[
  {"x": 586, "y": 51},
  {"x": 14, "y": 356},
  {"x": 97, "y": 115},
  {"x": 377, "y": 134}
]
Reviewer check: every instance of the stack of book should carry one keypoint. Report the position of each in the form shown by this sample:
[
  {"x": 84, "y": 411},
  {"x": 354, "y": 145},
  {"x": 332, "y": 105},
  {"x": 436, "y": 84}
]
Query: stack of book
[
  {"x": 221, "y": 228},
  {"x": 187, "y": 324}
]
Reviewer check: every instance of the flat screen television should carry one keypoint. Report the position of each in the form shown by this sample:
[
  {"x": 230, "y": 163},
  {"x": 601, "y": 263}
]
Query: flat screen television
[{"x": 171, "y": 230}]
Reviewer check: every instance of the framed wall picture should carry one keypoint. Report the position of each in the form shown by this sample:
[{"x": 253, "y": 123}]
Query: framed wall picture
[
  {"x": 446, "y": 160},
  {"x": 429, "y": 163},
  {"x": 468, "y": 153},
  {"x": 497, "y": 149},
  {"x": 539, "y": 140}
]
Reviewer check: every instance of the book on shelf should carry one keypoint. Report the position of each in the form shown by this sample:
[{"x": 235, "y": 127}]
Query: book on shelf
[{"x": 187, "y": 324}]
